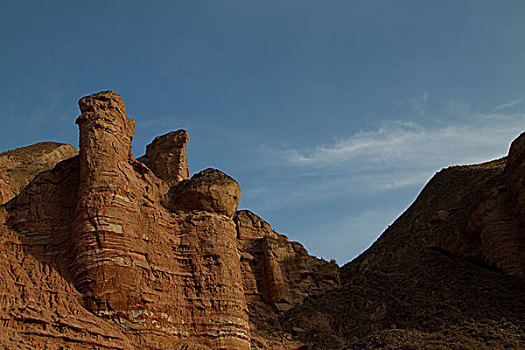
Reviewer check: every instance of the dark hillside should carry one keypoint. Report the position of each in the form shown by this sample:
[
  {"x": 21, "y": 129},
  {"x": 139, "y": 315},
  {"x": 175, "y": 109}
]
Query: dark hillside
[{"x": 431, "y": 280}]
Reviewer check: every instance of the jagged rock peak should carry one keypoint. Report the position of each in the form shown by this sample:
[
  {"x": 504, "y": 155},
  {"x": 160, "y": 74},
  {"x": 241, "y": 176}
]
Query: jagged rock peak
[
  {"x": 165, "y": 143},
  {"x": 106, "y": 133},
  {"x": 166, "y": 157},
  {"x": 111, "y": 252}
]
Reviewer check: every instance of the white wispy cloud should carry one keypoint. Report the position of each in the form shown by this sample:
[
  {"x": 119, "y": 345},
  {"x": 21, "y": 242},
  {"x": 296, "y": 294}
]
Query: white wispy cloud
[
  {"x": 397, "y": 145},
  {"x": 373, "y": 174},
  {"x": 508, "y": 104},
  {"x": 395, "y": 155}
]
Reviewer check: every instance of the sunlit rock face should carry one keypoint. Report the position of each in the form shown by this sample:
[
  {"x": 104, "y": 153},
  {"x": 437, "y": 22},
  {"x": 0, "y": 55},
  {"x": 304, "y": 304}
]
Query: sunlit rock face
[
  {"x": 166, "y": 157},
  {"x": 210, "y": 190},
  {"x": 154, "y": 259},
  {"x": 18, "y": 167},
  {"x": 134, "y": 261}
]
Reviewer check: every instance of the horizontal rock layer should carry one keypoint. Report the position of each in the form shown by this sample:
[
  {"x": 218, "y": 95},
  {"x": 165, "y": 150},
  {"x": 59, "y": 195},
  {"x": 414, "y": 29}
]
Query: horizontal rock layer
[{"x": 119, "y": 255}]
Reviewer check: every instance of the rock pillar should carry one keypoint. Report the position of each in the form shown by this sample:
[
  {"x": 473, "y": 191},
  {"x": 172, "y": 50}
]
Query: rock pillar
[
  {"x": 99, "y": 262},
  {"x": 171, "y": 275}
]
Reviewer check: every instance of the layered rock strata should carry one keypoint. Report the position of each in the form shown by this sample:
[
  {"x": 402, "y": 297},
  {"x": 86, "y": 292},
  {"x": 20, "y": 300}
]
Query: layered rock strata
[
  {"x": 103, "y": 251},
  {"x": 277, "y": 275},
  {"x": 168, "y": 275},
  {"x": 18, "y": 167},
  {"x": 166, "y": 157},
  {"x": 119, "y": 253},
  {"x": 190, "y": 287}
]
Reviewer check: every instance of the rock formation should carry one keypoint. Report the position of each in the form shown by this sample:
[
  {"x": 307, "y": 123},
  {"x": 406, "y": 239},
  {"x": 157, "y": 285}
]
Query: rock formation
[
  {"x": 495, "y": 232},
  {"x": 277, "y": 275},
  {"x": 105, "y": 251},
  {"x": 210, "y": 190},
  {"x": 166, "y": 157},
  {"x": 18, "y": 167}
]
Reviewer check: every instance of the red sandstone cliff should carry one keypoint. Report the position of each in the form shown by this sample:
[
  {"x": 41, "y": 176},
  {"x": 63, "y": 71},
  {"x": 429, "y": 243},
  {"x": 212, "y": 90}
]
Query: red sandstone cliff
[{"x": 109, "y": 252}]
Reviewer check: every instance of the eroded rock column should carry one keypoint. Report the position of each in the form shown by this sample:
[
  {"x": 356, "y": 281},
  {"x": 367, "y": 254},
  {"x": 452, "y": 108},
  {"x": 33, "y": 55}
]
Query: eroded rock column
[
  {"x": 164, "y": 275},
  {"x": 99, "y": 263}
]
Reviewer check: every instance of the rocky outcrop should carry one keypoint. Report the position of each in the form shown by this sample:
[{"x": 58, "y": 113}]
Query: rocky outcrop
[
  {"x": 495, "y": 232},
  {"x": 188, "y": 288},
  {"x": 99, "y": 256},
  {"x": 166, "y": 157},
  {"x": 516, "y": 157},
  {"x": 157, "y": 277},
  {"x": 277, "y": 271},
  {"x": 210, "y": 190},
  {"x": 119, "y": 253},
  {"x": 18, "y": 167},
  {"x": 39, "y": 308},
  {"x": 277, "y": 275},
  {"x": 448, "y": 272},
  {"x": 498, "y": 232}
]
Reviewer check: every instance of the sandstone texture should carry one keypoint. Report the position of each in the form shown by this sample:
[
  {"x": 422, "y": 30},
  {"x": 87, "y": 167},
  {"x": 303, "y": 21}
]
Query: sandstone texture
[
  {"x": 277, "y": 276},
  {"x": 103, "y": 251},
  {"x": 18, "y": 167},
  {"x": 210, "y": 190},
  {"x": 166, "y": 157}
]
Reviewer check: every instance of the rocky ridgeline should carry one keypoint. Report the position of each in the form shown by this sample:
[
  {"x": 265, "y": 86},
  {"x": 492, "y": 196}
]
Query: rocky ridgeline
[
  {"x": 102, "y": 250},
  {"x": 449, "y": 273}
]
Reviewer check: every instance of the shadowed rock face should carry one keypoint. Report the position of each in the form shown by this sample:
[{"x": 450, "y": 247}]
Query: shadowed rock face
[
  {"x": 495, "y": 233},
  {"x": 277, "y": 276},
  {"x": 516, "y": 158},
  {"x": 110, "y": 253},
  {"x": 445, "y": 274}
]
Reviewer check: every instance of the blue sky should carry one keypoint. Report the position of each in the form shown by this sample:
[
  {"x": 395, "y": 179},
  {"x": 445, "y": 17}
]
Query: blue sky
[{"x": 332, "y": 115}]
